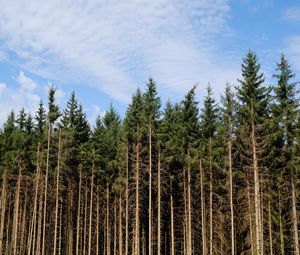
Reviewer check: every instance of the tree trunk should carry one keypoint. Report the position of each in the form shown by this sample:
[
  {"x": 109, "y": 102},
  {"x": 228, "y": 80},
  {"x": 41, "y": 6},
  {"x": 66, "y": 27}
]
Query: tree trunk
[
  {"x": 115, "y": 224},
  {"x": 280, "y": 225},
  {"x": 250, "y": 220},
  {"x": 120, "y": 226},
  {"x": 78, "y": 214},
  {"x": 3, "y": 209},
  {"x": 256, "y": 189},
  {"x": 16, "y": 214},
  {"x": 57, "y": 192},
  {"x": 97, "y": 223},
  {"x": 46, "y": 190},
  {"x": 203, "y": 223},
  {"x": 270, "y": 227},
  {"x": 107, "y": 221},
  {"x": 32, "y": 234},
  {"x": 91, "y": 212},
  {"x": 158, "y": 207},
  {"x": 127, "y": 204},
  {"x": 294, "y": 218},
  {"x": 231, "y": 195},
  {"x": 210, "y": 199},
  {"x": 189, "y": 207},
  {"x": 137, "y": 202},
  {"x": 172, "y": 219},
  {"x": 150, "y": 191}
]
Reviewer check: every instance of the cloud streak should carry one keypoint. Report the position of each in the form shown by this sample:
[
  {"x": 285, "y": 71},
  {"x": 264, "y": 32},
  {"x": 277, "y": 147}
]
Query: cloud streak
[{"x": 114, "y": 45}]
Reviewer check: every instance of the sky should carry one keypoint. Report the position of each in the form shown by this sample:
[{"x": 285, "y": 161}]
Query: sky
[{"x": 105, "y": 49}]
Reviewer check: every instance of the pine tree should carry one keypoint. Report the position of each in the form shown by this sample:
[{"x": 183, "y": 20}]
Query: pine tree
[
  {"x": 253, "y": 113},
  {"x": 285, "y": 112}
]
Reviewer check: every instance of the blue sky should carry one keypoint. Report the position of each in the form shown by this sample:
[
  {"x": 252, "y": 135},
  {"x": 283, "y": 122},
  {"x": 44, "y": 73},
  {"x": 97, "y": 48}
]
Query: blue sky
[{"x": 105, "y": 49}]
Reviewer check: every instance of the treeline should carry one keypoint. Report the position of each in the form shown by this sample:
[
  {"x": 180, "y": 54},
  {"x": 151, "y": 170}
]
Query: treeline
[{"x": 178, "y": 179}]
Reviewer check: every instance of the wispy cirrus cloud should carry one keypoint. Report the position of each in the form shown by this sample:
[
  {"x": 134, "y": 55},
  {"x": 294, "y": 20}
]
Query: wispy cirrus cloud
[{"x": 113, "y": 45}]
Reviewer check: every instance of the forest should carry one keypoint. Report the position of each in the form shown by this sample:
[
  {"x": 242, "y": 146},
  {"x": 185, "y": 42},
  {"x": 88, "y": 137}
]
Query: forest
[{"x": 183, "y": 178}]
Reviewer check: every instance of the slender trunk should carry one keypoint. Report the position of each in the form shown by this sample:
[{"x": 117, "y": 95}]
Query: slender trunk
[
  {"x": 97, "y": 224},
  {"x": 203, "y": 223},
  {"x": 91, "y": 212},
  {"x": 16, "y": 214},
  {"x": 150, "y": 191},
  {"x": 185, "y": 225},
  {"x": 158, "y": 207},
  {"x": 270, "y": 227},
  {"x": 280, "y": 225},
  {"x": 137, "y": 202},
  {"x": 39, "y": 231},
  {"x": 120, "y": 226},
  {"x": 78, "y": 214},
  {"x": 115, "y": 225},
  {"x": 46, "y": 190},
  {"x": 231, "y": 195},
  {"x": 85, "y": 219},
  {"x": 250, "y": 220},
  {"x": 57, "y": 192},
  {"x": 127, "y": 205},
  {"x": 294, "y": 218},
  {"x": 172, "y": 219},
  {"x": 32, "y": 234},
  {"x": 189, "y": 207},
  {"x": 256, "y": 189},
  {"x": 107, "y": 221},
  {"x": 210, "y": 199},
  {"x": 60, "y": 227},
  {"x": 3, "y": 209},
  {"x": 23, "y": 225}
]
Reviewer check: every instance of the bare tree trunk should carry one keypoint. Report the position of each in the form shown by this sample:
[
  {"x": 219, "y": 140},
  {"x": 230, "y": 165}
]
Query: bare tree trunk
[
  {"x": 231, "y": 195},
  {"x": 127, "y": 204},
  {"x": 97, "y": 223},
  {"x": 46, "y": 190},
  {"x": 78, "y": 214},
  {"x": 16, "y": 214},
  {"x": 32, "y": 234},
  {"x": 158, "y": 207},
  {"x": 85, "y": 219},
  {"x": 203, "y": 223},
  {"x": 91, "y": 211},
  {"x": 120, "y": 226},
  {"x": 270, "y": 227},
  {"x": 281, "y": 225},
  {"x": 3, "y": 209},
  {"x": 172, "y": 219},
  {"x": 60, "y": 226},
  {"x": 115, "y": 224},
  {"x": 210, "y": 200},
  {"x": 256, "y": 189},
  {"x": 23, "y": 225},
  {"x": 39, "y": 231},
  {"x": 189, "y": 207},
  {"x": 185, "y": 219},
  {"x": 107, "y": 221},
  {"x": 294, "y": 218},
  {"x": 57, "y": 192},
  {"x": 150, "y": 191},
  {"x": 137, "y": 202},
  {"x": 250, "y": 220}
]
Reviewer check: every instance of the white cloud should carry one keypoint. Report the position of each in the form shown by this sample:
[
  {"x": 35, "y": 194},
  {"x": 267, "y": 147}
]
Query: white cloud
[
  {"x": 291, "y": 14},
  {"x": 26, "y": 83},
  {"x": 114, "y": 45},
  {"x": 15, "y": 99}
]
